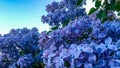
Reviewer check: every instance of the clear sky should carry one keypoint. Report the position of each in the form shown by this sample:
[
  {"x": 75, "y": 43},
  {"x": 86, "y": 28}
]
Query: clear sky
[{"x": 22, "y": 13}]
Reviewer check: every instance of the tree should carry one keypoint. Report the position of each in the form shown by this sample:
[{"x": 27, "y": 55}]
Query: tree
[{"x": 106, "y": 9}]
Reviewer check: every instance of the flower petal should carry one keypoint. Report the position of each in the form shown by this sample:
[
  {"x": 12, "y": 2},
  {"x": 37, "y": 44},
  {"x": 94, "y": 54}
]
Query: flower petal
[
  {"x": 112, "y": 47},
  {"x": 118, "y": 44},
  {"x": 88, "y": 49},
  {"x": 88, "y": 65},
  {"x": 118, "y": 54},
  {"x": 108, "y": 41},
  {"x": 92, "y": 58},
  {"x": 100, "y": 48},
  {"x": 100, "y": 63}
]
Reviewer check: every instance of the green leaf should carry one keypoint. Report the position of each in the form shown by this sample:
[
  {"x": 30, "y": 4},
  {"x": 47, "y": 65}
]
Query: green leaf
[
  {"x": 79, "y": 2},
  {"x": 93, "y": 0},
  {"x": 92, "y": 10},
  {"x": 68, "y": 41},
  {"x": 118, "y": 13},
  {"x": 89, "y": 31},
  {"x": 102, "y": 14},
  {"x": 111, "y": 6},
  {"x": 103, "y": 20},
  {"x": 67, "y": 64},
  {"x": 117, "y": 7},
  {"x": 42, "y": 64},
  {"x": 65, "y": 23},
  {"x": 54, "y": 28},
  {"x": 49, "y": 31},
  {"x": 97, "y": 3},
  {"x": 21, "y": 53}
]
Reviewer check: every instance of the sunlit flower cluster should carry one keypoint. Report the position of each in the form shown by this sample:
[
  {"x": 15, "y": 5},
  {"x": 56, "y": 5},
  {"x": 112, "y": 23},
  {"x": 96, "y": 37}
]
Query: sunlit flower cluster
[
  {"x": 63, "y": 11},
  {"x": 84, "y": 42}
]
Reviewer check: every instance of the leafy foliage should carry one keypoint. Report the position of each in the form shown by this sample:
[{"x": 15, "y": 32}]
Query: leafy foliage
[{"x": 104, "y": 9}]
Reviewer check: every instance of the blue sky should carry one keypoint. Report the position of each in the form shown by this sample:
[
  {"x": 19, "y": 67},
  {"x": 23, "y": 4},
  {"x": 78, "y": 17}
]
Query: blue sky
[{"x": 22, "y": 13}]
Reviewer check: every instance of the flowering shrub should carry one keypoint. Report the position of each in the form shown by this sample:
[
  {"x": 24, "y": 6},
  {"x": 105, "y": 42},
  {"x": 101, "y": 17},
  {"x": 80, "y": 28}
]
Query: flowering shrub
[
  {"x": 82, "y": 43},
  {"x": 24, "y": 62},
  {"x": 16, "y": 43},
  {"x": 62, "y": 12},
  {"x": 76, "y": 40}
]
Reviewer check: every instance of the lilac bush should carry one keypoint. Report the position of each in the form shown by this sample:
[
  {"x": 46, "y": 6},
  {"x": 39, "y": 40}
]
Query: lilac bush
[
  {"x": 17, "y": 43},
  {"x": 85, "y": 42},
  {"x": 98, "y": 49},
  {"x": 60, "y": 13},
  {"x": 24, "y": 62},
  {"x": 76, "y": 40}
]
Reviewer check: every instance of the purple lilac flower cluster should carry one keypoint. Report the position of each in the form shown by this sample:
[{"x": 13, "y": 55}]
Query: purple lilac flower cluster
[
  {"x": 24, "y": 62},
  {"x": 63, "y": 11},
  {"x": 83, "y": 43},
  {"x": 16, "y": 43}
]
